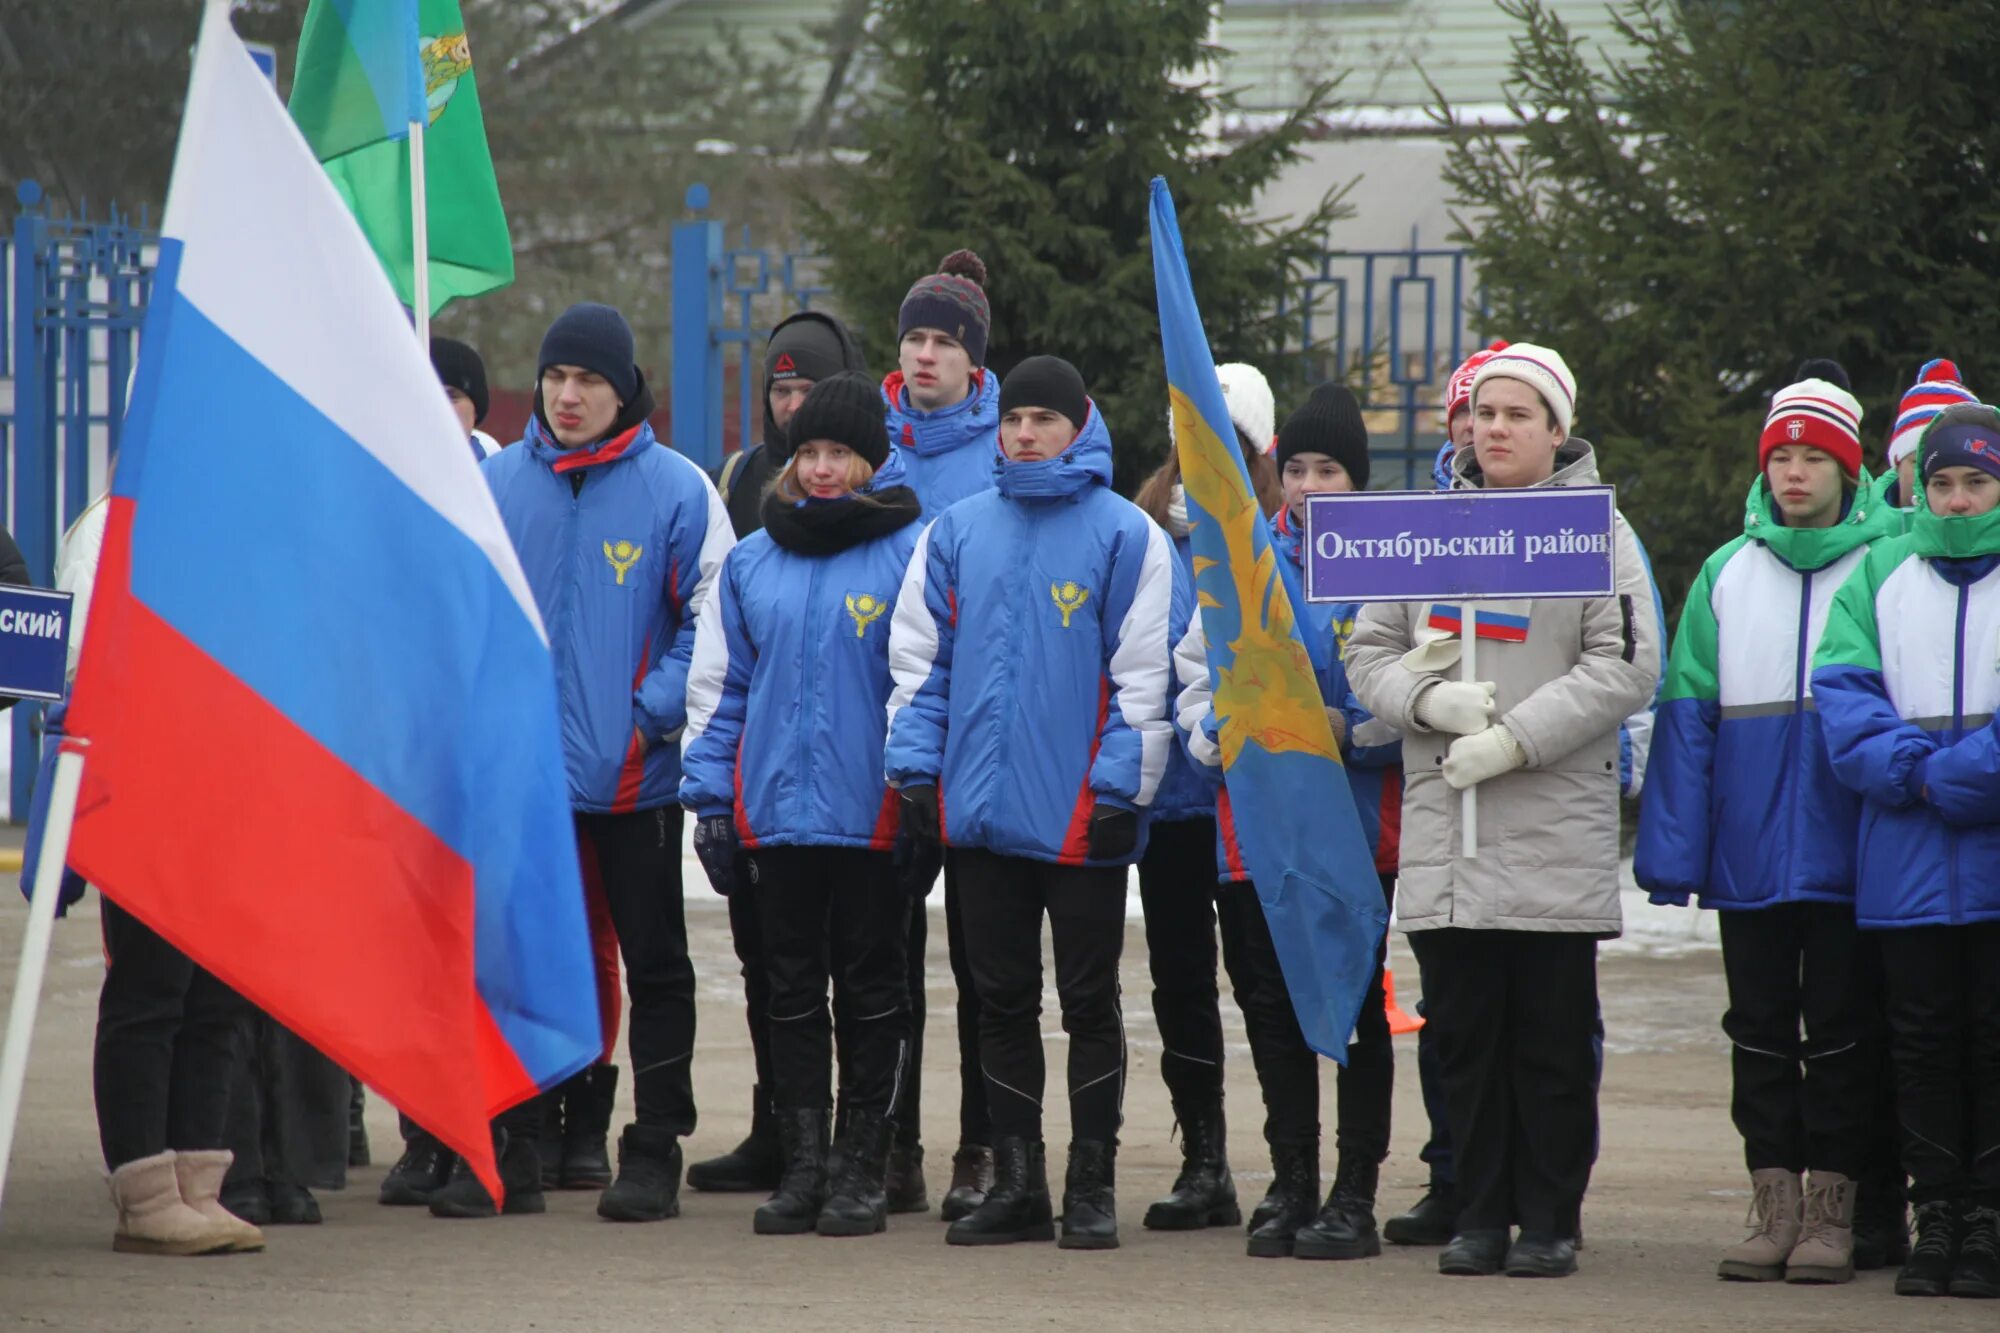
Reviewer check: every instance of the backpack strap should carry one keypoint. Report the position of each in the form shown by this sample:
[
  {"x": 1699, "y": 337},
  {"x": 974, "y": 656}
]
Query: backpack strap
[{"x": 732, "y": 465}]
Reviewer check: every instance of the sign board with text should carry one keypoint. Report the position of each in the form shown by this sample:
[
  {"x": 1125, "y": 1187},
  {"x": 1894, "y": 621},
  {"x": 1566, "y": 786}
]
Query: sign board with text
[{"x": 1421, "y": 546}]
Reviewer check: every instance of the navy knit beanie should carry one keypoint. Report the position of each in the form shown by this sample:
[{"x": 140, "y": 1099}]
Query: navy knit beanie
[
  {"x": 1967, "y": 435},
  {"x": 597, "y": 338},
  {"x": 1046, "y": 381},
  {"x": 952, "y": 301},
  {"x": 846, "y": 409},
  {"x": 459, "y": 367}
]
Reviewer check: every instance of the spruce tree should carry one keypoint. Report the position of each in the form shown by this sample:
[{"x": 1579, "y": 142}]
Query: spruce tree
[
  {"x": 1754, "y": 185},
  {"x": 1027, "y": 130}
]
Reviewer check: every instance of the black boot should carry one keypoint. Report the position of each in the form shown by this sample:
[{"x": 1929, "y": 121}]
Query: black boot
[
  {"x": 520, "y": 1176},
  {"x": 905, "y": 1180},
  {"x": 249, "y": 1200},
  {"x": 1977, "y": 1271},
  {"x": 293, "y": 1205},
  {"x": 648, "y": 1188},
  {"x": 1203, "y": 1194},
  {"x": 586, "y": 1117},
  {"x": 1267, "y": 1207},
  {"x": 420, "y": 1172},
  {"x": 1295, "y": 1186},
  {"x": 794, "y": 1208},
  {"x": 357, "y": 1128},
  {"x": 1434, "y": 1220},
  {"x": 549, "y": 1146},
  {"x": 971, "y": 1177},
  {"x": 1477, "y": 1253},
  {"x": 857, "y": 1202},
  {"x": 1345, "y": 1227},
  {"x": 1881, "y": 1224},
  {"x": 752, "y": 1166},
  {"x": 1927, "y": 1272},
  {"x": 1017, "y": 1205},
  {"x": 1090, "y": 1198}
]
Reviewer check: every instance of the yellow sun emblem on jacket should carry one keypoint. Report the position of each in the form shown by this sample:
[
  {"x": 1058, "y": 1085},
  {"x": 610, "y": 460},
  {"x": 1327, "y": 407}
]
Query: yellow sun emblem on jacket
[
  {"x": 1069, "y": 598},
  {"x": 866, "y": 609},
  {"x": 1267, "y": 695},
  {"x": 622, "y": 555}
]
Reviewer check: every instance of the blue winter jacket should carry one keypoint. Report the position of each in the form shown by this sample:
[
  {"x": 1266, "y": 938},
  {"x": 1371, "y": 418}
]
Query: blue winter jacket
[
  {"x": 1908, "y": 691},
  {"x": 1030, "y": 651},
  {"x": 787, "y": 693},
  {"x": 1372, "y": 751},
  {"x": 620, "y": 568},
  {"x": 1186, "y": 792},
  {"x": 1742, "y": 807},
  {"x": 951, "y": 453}
]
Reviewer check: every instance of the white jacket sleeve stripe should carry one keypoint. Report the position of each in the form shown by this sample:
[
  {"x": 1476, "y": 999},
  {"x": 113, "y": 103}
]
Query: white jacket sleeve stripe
[
  {"x": 913, "y": 634},
  {"x": 1194, "y": 713},
  {"x": 1141, "y": 670},
  {"x": 706, "y": 670}
]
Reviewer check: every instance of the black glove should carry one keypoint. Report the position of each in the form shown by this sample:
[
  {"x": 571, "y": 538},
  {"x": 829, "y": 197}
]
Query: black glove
[
  {"x": 715, "y": 844},
  {"x": 917, "y": 864},
  {"x": 1114, "y": 833},
  {"x": 920, "y": 813}
]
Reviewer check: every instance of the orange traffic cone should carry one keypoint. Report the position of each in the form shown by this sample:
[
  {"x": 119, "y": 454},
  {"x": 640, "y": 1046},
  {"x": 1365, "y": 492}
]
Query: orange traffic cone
[{"x": 1399, "y": 1021}]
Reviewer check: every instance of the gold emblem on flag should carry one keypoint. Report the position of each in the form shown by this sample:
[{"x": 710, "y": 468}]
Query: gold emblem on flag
[
  {"x": 1069, "y": 598},
  {"x": 622, "y": 556}
]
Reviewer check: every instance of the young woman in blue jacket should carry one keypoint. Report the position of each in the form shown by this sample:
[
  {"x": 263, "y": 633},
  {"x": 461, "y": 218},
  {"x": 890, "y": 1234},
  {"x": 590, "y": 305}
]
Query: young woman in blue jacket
[
  {"x": 1323, "y": 447},
  {"x": 1907, "y": 688},
  {"x": 786, "y": 719},
  {"x": 1028, "y": 731}
]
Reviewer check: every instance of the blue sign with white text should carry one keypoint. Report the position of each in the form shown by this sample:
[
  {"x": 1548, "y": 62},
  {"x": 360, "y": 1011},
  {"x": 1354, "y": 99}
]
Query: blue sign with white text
[
  {"x": 34, "y": 642},
  {"x": 1420, "y": 546}
]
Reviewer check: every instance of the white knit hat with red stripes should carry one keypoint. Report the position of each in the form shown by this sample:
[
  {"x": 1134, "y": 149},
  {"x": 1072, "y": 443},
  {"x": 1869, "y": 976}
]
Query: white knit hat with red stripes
[
  {"x": 1817, "y": 413},
  {"x": 1937, "y": 388},
  {"x": 1541, "y": 369}
]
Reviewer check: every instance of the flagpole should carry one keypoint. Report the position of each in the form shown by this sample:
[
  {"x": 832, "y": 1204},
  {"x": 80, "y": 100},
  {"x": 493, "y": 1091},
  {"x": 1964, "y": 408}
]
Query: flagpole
[
  {"x": 420, "y": 235},
  {"x": 1468, "y": 815},
  {"x": 45, "y": 890}
]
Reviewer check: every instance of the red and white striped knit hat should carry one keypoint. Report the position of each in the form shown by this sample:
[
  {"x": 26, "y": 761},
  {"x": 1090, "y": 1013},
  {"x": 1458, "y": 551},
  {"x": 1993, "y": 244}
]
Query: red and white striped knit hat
[
  {"x": 1458, "y": 389},
  {"x": 1817, "y": 413},
  {"x": 1937, "y": 388}
]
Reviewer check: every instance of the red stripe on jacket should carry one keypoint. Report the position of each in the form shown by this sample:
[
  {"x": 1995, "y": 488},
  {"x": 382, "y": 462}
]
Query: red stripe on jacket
[
  {"x": 1076, "y": 842},
  {"x": 632, "y": 773},
  {"x": 612, "y": 448},
  {"x": 1232, "y": 851}
]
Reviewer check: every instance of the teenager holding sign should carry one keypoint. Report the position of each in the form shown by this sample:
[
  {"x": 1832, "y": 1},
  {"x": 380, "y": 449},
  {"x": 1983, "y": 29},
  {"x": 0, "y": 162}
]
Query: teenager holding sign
[{"x": 1508, "y": 937}]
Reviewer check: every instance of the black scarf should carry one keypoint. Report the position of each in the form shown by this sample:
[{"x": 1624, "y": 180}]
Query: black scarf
[{"x": 824, "y": 529}]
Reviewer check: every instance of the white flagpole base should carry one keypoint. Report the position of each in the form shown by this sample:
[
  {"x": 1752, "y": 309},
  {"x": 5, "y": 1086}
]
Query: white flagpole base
[{"x": 47, "y": 888}]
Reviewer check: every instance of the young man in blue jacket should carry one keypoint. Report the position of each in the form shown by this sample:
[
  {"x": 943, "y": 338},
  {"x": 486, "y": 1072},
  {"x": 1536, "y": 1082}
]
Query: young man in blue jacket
[
  {"x": 620, "y": 538},
  {"x": 943, "y": 411},
  {"x": 1028, "y": 732}
]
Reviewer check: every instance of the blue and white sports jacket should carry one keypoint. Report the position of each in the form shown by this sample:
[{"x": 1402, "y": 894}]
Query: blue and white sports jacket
[
  {"x": 620, "y": 567},
  {"x": 949, "y": 454},
  {"x": 1030, "y": 651}
]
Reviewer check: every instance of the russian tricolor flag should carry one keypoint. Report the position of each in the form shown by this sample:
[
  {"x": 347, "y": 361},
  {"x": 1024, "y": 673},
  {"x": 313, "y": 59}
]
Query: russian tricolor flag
[
  {"x": 1493, "y": 623},
  {"x": 317, "y": 700}
]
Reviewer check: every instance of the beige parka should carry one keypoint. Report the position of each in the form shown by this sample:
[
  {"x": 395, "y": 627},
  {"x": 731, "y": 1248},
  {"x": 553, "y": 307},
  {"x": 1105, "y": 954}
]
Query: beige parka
[{"x": 1547, "y": 832}]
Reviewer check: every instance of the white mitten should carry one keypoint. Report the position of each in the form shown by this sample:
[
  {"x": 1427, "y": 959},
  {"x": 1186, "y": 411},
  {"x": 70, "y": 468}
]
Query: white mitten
[
  {"x": 1482, "y": 755},
  {"x": 1460, "y": 706}
]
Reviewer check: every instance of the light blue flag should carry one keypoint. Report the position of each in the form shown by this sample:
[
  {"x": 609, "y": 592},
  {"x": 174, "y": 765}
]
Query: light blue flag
[{"x": 1295, "y": 817}]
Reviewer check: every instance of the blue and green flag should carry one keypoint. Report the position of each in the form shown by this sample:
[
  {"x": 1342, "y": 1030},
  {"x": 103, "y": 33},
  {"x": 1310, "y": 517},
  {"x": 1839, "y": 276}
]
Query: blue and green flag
[{"x": 1295, "y": 818}]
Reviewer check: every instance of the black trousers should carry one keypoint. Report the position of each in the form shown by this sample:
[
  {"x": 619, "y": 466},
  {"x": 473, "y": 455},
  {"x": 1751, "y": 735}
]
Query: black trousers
[
  {"x": 1177, "y": 889},
  {"x": 168, "y": 1039},
  {"x": 636, "y": 859},
  {"x": 287, "y": 1111},
  {"x": 1944, "y": 1023},
  {"x": 1003, "y": 900},
  {"x": 975, "y": 1125},
  {"x": 834, "y": 914},
  {"x": 1288, "y": 1069},
  {"x": 747, "y": 937},
  {"x": 1802, "y": 1104},
  {"x": 1514, "y": 1013}
]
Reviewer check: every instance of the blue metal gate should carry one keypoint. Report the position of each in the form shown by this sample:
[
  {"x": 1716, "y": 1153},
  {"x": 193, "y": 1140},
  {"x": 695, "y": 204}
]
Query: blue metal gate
[
  {"x": 76, "y": 292},
  {"x": 1392, "y": 324}
]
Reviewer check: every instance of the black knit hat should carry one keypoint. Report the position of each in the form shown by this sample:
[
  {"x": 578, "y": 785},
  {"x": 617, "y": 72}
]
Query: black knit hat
[
  {"x": 1046, "y": 381},
  {"x": 1822, "y": 368},
  {"x": 1329, "y": 422},
  {"x": 597, "y": 338},
  {"x": 952, "y": 301},
  {"x": 807, "y": 349},
  {"x": 846, "y": 409},
  {"x": 459, "y": 367}
]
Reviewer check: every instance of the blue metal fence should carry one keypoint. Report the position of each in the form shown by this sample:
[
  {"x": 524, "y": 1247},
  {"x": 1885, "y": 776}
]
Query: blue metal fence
[
  {"x": 1393, "y": 324},
  {"x": 75, "y": 293},
  {"x": 725, "y": 302}
]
